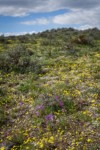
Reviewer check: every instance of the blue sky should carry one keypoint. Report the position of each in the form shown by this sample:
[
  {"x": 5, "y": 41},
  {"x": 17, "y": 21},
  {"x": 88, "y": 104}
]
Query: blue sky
[
  {"x": 28, "y": 16},
  {"x": 14, "y": 24}
]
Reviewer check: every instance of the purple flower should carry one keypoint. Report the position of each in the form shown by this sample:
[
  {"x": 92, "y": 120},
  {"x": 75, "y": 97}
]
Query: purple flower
[
  {"x": 21, "y": 103},
  {"x": 49, "y": 117},
  {"x": 61, "y": 104},
  {"x": 59, "y": 101},
  {"x": 40, "y": 107},
  {"x": 37, "y": 113},
  {"x": 57, "y": 98}
]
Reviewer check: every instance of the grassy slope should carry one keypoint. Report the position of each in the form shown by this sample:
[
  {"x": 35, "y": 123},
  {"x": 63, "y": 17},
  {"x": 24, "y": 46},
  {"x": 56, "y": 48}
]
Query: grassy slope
[{"x": 56, "y": 108}]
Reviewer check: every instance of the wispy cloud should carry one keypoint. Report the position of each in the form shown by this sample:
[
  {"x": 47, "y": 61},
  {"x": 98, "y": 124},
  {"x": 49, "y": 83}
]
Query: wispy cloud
[
  {"x": 90, "y": 17},
  {"x": 39, "y": 21},
  {"x": 81, "y": 17}
]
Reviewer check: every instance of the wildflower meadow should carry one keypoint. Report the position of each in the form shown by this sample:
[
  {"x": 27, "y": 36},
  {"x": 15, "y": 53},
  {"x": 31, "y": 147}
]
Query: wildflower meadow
[{"x": 50, "y": 91}]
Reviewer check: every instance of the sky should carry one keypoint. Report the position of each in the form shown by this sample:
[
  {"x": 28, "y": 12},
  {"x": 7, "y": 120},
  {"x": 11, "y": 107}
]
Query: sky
[{"x": 32, "y": 16}]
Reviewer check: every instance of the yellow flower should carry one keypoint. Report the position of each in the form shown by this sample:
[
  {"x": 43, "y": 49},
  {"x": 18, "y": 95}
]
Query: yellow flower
[
  {"x": 51, "y": 140},
  {"x": 93, "y": 101},
  {"x": 27, "y": 141},
  {"x": 89, "y": 140},
  {"x": 77, "y": 92},
  {"x": 65, "y": 92},
  {"x": 77, "y": 143},
  {"x": 84, "y": 113},
  {"x": 33, "y": 138},
  {"x": 2, "y": 148},
  {"x": 41, "y": 145},
  {"x": 93, "y": 105}
]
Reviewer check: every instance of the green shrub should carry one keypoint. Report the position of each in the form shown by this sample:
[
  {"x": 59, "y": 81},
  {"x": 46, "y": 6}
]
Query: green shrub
[
  {"x": 24, "y": 87},
  {"x": 2, "y": 92},
  {"x": 3, "y": 117},
  {"x": 18, "y": 59},
  {"x": 83, "y": 39},
  {"x": 84, "y": 117},
  {"x": 18, "y": 140},
  {"x": 69, "y": 106}
]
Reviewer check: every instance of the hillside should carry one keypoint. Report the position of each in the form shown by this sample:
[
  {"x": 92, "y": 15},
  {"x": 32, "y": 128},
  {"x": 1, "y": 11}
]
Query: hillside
[{"x": 50, "y": 90}]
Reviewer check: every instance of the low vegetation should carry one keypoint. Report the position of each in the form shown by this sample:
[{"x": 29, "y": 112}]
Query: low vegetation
[{"x": 50, "y": 90}]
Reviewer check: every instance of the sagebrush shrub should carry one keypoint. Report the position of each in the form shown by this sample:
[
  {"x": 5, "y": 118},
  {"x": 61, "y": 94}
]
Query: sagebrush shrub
[{"x": 18, "y": 59}]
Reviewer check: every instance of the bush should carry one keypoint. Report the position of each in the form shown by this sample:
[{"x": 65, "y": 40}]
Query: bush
[
  {"x": 3, "y": 117},
  {"x": 18, "y": 59},
  {"x": 18, "y": 139},
  {"x": 83, "y": 39}
]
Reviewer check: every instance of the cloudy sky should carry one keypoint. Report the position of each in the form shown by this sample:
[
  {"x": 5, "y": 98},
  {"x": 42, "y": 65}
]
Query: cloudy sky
[{"x": 27, "y": 16}]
